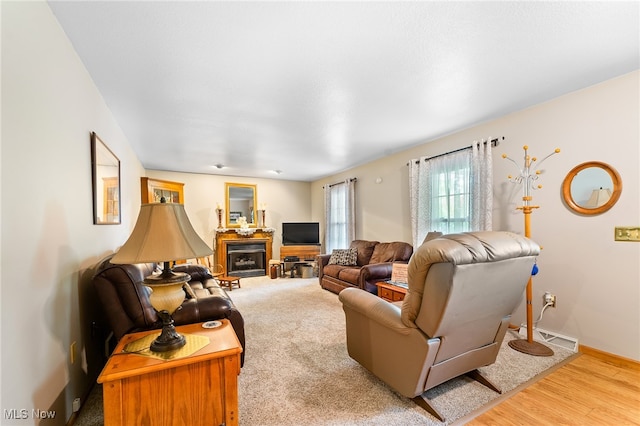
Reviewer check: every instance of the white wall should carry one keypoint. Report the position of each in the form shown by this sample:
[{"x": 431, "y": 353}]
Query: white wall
[
  {"x": 579, "y": 259},
  {"x": 287, "y": 201},
  {"x": 596, "y": 280},
  {"x": 49, "y": 107}
]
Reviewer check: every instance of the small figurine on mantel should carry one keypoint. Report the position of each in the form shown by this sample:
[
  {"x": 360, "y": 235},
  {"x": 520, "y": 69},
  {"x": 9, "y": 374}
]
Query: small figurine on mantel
[
  {"x": 244, "y": 227},
  {"x": 242, "y": 221}
]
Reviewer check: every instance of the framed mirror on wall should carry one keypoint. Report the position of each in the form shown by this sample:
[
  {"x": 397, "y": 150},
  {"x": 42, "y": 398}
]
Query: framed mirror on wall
[
  {"x": 105, "y": 176},
  {"x": 240, "y": 201},
  {"x": 591, "y": 188}
]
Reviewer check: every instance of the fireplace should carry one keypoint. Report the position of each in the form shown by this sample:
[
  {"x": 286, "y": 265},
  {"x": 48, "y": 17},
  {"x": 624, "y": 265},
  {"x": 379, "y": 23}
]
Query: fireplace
[
  {"x": 246, "y": 259},
  {"x": 228, "y": 241}
]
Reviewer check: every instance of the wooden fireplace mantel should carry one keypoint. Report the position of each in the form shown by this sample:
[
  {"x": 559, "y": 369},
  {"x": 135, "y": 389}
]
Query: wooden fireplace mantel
[{"x": 230, "y": 236}]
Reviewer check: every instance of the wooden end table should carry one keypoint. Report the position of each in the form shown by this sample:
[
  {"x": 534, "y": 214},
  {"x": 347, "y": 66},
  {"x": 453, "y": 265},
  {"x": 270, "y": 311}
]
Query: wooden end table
[
  {"x": 229, "y": 282},
  {"x": 198, "y": 389},
  {"x": 391, "y": 292}
]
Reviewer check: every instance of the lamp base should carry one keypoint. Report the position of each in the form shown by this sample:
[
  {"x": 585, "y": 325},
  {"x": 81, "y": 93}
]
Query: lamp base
[
  {"x": 530, "y": 348},
  {"x": 166, "y": 297},
  {"x": 169, "y": 339}
]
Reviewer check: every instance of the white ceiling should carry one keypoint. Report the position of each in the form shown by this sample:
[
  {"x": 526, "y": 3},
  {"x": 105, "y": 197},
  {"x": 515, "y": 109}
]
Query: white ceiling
[{"x": 314, "y": 88}]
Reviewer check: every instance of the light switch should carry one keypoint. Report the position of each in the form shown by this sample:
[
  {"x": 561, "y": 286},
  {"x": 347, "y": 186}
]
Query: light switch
[{"x": 627, "y": 233}]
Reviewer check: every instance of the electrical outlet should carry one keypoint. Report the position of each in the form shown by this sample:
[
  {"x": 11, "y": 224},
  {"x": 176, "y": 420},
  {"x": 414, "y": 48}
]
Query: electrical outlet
[
  {"x": 549, "y": 299},
  {"x": 72, "y": 352},
  {"x": 76, "y": 405}
]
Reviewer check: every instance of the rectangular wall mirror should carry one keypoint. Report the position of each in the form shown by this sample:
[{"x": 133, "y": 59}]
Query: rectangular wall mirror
[
  {"x": 105, "y": 174},
  {"x": 240, "y": 201}
]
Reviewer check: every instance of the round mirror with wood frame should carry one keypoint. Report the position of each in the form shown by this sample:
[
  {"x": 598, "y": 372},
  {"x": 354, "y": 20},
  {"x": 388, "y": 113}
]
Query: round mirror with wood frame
[{"x": 591, "y": 188}]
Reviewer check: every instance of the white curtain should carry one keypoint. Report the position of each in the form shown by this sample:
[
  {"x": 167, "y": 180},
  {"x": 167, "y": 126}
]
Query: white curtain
[
  {"x": 419, "y": 176},
  {"x": 339, "y": 213},
  {"x": 451, "y": 192},
  {"x": 481, "y": 186}
]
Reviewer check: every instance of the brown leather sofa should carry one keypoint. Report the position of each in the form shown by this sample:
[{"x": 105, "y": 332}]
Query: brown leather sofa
[
  {"x": 374, "y": 263},
  {"x": 125, "y": 299}
]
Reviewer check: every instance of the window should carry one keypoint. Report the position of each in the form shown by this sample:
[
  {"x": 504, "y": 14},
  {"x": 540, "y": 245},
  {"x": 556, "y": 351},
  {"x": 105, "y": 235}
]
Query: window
[
  {"x": 337, "y": 218},
  {"x": 451, "y": 198},
  {"x": 339, "y": 215},
  {"x": 451, "y": 193}
]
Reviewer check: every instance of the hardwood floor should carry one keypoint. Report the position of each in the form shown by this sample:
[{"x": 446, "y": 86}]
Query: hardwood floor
[{"x": 593, "y": 389}]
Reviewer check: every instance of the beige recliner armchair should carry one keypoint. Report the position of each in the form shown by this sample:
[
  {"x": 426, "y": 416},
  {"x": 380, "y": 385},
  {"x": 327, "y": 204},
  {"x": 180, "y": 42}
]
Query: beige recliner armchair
[{"x": 462, "y": 291}]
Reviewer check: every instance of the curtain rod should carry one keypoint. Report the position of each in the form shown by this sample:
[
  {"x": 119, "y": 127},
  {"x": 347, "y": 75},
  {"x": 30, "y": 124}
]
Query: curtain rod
[
  {"x": 494, "y": 142},
  {"x": 338, "y": 183}
]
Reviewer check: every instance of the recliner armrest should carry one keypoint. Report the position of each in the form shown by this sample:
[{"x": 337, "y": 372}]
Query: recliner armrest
[
  {"x": 376, "y": 309},
  {"x": 376, "y": 334}
]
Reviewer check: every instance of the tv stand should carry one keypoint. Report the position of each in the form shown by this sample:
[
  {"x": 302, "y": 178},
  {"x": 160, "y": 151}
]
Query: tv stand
[{"x": 305, "y": 253}]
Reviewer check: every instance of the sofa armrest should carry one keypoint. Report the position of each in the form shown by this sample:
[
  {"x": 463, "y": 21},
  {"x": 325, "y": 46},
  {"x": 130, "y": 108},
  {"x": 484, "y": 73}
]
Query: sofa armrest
[
  {"x": 322, "y": 260},
  {"x": 197, "y": 272},
  {"x": 375, "y": 272},
  {"x": 202, "y": 309},
  {"x": 211, "y": 303}
]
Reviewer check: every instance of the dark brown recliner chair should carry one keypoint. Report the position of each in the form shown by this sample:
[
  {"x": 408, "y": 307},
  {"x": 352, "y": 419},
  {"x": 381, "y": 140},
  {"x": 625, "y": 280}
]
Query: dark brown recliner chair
[
  {"x": 125, "y": 299},
  {"x": 462, "y": 291}
]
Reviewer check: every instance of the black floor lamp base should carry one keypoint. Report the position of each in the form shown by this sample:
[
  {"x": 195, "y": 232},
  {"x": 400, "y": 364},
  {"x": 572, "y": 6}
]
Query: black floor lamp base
[{"x": 530, "y": 348}]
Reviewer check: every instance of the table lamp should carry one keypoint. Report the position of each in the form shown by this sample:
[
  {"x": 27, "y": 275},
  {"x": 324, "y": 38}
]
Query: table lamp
[
  {"x": 598, "y": 198},
  {"x": 163, "y": 233}
]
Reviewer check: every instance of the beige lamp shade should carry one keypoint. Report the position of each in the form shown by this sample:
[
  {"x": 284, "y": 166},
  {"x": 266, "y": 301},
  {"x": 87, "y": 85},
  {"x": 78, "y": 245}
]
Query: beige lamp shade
[
  {"x": 598, "y": 198},
  {"x": 162, "y": 233}
]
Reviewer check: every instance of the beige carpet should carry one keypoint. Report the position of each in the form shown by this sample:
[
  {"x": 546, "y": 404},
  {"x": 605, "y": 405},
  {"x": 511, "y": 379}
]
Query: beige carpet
[{"x": 297, "y": 371}]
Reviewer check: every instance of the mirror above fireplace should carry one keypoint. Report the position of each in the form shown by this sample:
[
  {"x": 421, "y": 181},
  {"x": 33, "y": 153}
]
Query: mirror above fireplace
[{"x": 240, "y": 201}]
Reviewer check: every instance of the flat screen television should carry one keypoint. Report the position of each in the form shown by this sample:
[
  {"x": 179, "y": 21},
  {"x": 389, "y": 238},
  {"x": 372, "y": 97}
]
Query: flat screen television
[{"x": 300, "y": 233}]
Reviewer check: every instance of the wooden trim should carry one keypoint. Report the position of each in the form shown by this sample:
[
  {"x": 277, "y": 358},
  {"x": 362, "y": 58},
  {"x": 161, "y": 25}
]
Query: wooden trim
[
  {"x": 566, "y": 188},
  {"x": 610, "y": 358},
  {"x": 149, "y": 185}
]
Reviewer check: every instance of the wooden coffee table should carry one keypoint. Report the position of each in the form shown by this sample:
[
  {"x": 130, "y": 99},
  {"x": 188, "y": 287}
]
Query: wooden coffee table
[{"x": 229, "y": 282}]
